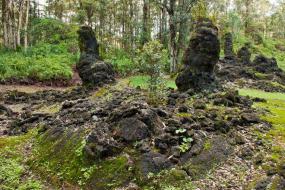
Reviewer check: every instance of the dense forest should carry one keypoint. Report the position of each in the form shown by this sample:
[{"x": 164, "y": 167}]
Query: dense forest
[
  {"x": 142, "y": 94},
  {"x": 45, "y": 32}
]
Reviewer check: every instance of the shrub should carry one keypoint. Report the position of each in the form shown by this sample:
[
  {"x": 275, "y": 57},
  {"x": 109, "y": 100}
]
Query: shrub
[
  {"x": 42, "y": 62},
  {"x": 152, "y": 59},
  {"x": 121, "y": 61}
]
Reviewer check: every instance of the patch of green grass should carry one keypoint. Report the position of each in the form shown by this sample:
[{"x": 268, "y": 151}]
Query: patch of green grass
[
  {"x": 173, "y": 179},
  {"x": 207, "y": 145},
  {"x": 51, "y": 109},
  {"x": 262, "y": 94},
  {"x": 276, "y": 84},
  {"x": 261, "y": 75},
  {"x": 142, "y": 81},
  {"x": 184, "y": 115},
  {"x": 276, "y": 136}
]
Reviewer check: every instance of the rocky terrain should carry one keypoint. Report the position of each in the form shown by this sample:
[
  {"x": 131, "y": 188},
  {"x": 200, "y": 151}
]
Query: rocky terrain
[{"x": 202, "y": 136}]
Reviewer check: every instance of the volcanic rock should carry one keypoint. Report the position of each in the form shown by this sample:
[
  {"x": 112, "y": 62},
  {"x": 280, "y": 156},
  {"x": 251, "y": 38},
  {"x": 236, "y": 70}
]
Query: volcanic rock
[
  {"x": 154, "y": 162},
  {"x": 265, "y": 65},
  {"x": 200, "y": 58},
  {"x": 244, "y": 54},
  {"x": 100, "y": 144},
  {"x": 92, "y": 70},
  {"x": 132, "y": 129},
  {"x": 228, "y": 47}
]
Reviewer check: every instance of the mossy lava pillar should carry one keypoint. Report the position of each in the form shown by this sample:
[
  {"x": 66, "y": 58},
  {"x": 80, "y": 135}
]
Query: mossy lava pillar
[
  {"x": 91, "y": 69},
  {"x": 200, "y": 58}
]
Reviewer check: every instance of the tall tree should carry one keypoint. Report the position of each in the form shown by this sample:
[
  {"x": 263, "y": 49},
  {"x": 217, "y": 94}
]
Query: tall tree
[
  {"x": 146, "y": 33},
  {"x": 178, "y": 17}
]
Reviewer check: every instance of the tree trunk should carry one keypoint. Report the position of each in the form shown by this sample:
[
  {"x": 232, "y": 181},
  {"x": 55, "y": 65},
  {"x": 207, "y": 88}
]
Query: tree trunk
[
  {"x": 4, "y": 23},
  {"x": 247, "y": 16},
  {"x": 145, "y": 37},
  {"x": 184, "y": 28},
  {"x": 164, "y": 24},
  {"x": 20, "y": 19},
  {"x": 26, "y": 24},
  {"x": 172, "y": 38}
]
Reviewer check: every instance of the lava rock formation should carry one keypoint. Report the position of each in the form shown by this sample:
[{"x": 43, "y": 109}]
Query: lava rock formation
[
  {"x": 200, "y": 58},
  {"x": 92, "y": 70},
  {"x": 228, "y": 47}
]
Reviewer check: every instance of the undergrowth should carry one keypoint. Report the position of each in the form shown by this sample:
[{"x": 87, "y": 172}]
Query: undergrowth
[
  {"x": 41, "y": 63},
  {"x": 13, "y": 173},
  {"x": 142, "y": 82},
  {"x": 275, "y": 106},
  {"x": 267, "y": 48}
]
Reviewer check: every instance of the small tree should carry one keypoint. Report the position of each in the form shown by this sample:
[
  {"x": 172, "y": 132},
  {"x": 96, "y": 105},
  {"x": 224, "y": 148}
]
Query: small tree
[{"x": 153, "y": 59}]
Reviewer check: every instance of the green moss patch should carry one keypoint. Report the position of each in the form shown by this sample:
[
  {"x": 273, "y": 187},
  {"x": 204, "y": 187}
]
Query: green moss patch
[
  {"x": 110, "y": 174},
  {"x": 13, "y": 174},
  {"x": 276, "y": 136},
  {"x": 275, "y": 106},
  {"x": 174, "y": 179},
  {"x": 58, "y": 156}
]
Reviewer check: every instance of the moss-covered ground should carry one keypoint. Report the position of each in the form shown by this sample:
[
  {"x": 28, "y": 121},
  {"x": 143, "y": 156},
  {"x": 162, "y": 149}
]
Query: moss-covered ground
[
  {"x": 14, "y": 173},
  {"x": 275, "y": 114},
  {"x": 27, "y": 161}
]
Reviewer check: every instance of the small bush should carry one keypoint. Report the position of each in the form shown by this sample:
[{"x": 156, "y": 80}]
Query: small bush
[
  {"x": 152, "y": 59},
  {"x": 121, "y": 61}
]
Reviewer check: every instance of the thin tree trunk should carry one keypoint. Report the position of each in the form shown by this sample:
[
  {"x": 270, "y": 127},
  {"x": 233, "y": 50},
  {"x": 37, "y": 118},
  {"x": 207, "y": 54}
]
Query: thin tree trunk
[
  {"x": 145, "y": 29},
  {"x": 20, "y": 19},
  {"x": 4, "y": 17},
  {"x": 172, "y": 38},
  {"x": 26, "y": 24}
]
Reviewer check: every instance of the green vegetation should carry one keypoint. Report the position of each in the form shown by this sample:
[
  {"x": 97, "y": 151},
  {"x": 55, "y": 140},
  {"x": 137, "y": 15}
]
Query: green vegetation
[
  {"x": 142, "y": 81},
  {"x": 62, "y": 160},
  {"x": 66, "y": 152},
  {"x": 13, "y": 173},
  {"x": 173, "y": 179},
  {"x": 121, "y": 61},
  {"x": 261, "y": 94},
  {"x": 207, "y": 145},
  {"x": 267, "y": 48},
  {"x": 40, "y": 63},
  {"x": 276, "y": 136},
  {"x": 153, "y": 58},
  {"x": 50, "y": 58}
]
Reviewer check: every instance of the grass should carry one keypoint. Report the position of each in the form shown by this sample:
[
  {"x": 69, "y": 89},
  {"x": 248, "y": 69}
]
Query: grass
[
  {"x": 276, "y": 136},
  {"x": 262, "y": 94},
  {"x": 142, "y": 81}
]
